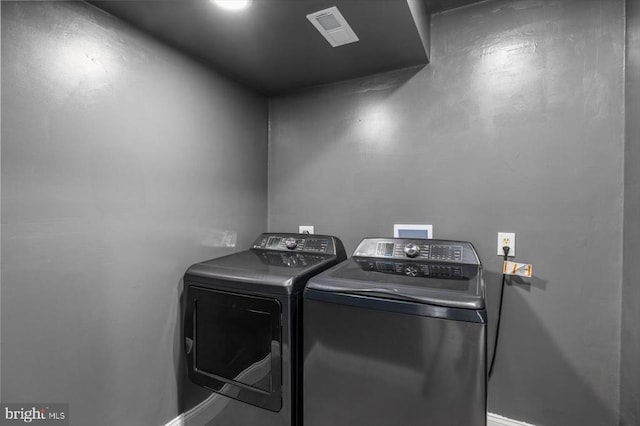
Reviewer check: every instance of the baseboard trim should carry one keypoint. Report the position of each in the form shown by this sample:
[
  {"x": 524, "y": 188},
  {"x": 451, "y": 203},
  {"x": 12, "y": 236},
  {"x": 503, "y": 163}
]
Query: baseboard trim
[
  {"x": 492, "y": 420},
  {"x": 498, "y": 420},
  {"x": 178, "y": 421}
]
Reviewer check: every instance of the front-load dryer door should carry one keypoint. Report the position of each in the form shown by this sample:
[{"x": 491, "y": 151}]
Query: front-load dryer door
[{"x": 233, "y": 345}]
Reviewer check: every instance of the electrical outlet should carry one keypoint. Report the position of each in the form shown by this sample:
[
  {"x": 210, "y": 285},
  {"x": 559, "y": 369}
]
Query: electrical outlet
[
  {"x": 305, "y": 229},
  {"x": 507, "y": 239}
]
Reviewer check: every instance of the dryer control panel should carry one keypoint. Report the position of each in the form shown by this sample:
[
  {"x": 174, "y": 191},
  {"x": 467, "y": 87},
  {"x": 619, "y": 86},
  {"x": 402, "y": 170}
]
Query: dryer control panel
[
  {"x": 305, "y": 243},
  {"x": 418, "y": 250}
]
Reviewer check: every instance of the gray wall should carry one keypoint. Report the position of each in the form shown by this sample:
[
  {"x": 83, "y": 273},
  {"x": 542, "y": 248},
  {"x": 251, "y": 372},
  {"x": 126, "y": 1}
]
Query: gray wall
[
  {"x": 630, "y": 359},
  {"x": 122, "y": 163},
  {"x": 516, "y": 125}
]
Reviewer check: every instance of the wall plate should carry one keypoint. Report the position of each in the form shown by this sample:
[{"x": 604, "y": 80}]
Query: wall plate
[
  {"x": 412, "y": 231},
  {"x": 507, "y": 239},
  {"x": 305, "y": 229}
]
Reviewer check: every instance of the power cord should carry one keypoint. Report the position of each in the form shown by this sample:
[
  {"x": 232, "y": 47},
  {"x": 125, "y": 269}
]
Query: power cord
[{"x": 505, "y": 249}]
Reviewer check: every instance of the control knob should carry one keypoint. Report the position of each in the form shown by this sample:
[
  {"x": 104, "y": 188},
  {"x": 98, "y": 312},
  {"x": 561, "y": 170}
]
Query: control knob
[
  {"x": 411, "y": 250},
  {"x": 291, "y": 243}
]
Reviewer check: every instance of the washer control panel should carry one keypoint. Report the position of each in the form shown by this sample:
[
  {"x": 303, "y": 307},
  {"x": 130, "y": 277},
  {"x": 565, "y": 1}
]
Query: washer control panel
[
  {"x": 418, "y": 250},
  {"x": 411, "y": 269},
  {"x": 297, "y": 243}
]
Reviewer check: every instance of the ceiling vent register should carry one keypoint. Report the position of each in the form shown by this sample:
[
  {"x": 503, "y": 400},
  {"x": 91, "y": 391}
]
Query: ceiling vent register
[{"x": 333, "y": 27}]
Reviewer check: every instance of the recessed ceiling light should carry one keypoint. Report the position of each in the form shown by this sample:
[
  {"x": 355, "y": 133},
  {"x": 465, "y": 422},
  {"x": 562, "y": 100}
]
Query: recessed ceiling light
[{"x": 233, "y": 4}]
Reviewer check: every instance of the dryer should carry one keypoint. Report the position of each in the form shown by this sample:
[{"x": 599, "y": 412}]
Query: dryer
[
  {"x": 242, "y": 330},
  {"x": 396, "y": 335}
]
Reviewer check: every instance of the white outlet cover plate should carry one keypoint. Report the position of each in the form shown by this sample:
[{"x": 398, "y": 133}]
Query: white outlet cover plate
[
  {"x": 511, "y": 236},
  {"x": 303, "y": 229}
]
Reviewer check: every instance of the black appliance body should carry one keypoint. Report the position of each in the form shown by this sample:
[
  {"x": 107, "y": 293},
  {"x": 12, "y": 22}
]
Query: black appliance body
[
  {"x": 396, "y": 335},
  {"x": 242, "y": 330}
]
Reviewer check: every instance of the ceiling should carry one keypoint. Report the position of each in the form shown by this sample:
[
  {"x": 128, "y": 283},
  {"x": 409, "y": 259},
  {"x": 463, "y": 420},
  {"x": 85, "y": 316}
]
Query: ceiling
[
  {"x": 272, "y": 47},
  {"x": 437, "y": 6}
]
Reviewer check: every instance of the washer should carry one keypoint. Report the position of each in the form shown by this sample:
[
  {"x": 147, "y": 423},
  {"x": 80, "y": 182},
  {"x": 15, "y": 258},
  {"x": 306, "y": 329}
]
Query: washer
[
  {"x": 396, "y": 335},
  {"x": 242, "y": 332}
]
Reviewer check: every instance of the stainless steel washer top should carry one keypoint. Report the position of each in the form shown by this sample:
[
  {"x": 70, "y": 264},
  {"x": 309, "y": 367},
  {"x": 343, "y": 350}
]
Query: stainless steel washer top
[
  {"x": 443, "y": 275},
  {"x": 275, "y": 263}
]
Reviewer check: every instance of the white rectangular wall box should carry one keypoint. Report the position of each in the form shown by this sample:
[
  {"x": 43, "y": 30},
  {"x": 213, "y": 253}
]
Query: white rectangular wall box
[
  {"x": 412, "y": 231},
  {"x": 305, "y": 229}
]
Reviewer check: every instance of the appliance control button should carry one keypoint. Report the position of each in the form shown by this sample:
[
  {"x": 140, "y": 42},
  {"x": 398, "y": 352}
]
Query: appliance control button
[
  {"x": 291, "y": 243},
  {"x": 411, "y": 270},
  {"x": 411, "y": 250}
]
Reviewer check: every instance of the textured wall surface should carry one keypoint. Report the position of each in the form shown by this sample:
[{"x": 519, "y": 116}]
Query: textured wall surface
[
  {"x": 516, "y": 125},
  {"x": 122, "y": 163},
  {"x": 630, "y": 359}
]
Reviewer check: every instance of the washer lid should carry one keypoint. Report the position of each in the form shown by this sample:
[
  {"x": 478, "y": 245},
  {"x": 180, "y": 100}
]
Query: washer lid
[{"x": 462, "y": 288}]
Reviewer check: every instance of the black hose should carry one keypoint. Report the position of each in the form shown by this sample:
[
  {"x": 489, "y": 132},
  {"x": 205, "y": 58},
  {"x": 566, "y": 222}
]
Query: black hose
[{"x": 495, "y": 341}]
